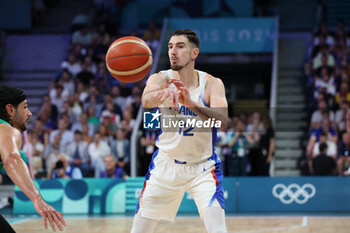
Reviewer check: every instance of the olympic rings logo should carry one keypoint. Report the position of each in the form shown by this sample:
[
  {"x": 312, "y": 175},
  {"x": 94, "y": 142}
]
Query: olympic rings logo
[{"x": 294, "y": 193}]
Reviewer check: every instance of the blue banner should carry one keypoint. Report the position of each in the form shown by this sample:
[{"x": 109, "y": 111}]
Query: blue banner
[
  {"x": 233, "y": 35},
  {"x": 294, "y": 194},
  {"x": 81, "y": 196},
  {"x": 242, "y": 195}
]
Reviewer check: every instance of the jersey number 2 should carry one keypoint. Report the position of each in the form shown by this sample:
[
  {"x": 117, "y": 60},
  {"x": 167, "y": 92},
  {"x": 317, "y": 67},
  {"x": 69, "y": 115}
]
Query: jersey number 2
[{"x": 186, "y": 132}]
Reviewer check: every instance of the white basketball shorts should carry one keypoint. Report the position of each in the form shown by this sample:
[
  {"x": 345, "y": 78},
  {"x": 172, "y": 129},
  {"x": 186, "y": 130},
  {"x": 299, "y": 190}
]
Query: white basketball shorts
[{"x": 167, "y": 180}]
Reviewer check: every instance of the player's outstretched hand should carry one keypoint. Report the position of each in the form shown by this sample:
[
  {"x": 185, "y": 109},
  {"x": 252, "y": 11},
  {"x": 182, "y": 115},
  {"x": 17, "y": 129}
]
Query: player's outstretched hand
[
  {"x": 47, "y": 212},
  {"x": 168, "y": 93},
  {"x": 184, "y": 93}
]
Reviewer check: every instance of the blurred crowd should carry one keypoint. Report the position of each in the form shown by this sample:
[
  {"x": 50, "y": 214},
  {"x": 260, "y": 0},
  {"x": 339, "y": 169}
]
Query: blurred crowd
[
  {"x": 327, "y": 69},
  {"x": 247, "y": 145},
  {"x": 84, "y": 124}
]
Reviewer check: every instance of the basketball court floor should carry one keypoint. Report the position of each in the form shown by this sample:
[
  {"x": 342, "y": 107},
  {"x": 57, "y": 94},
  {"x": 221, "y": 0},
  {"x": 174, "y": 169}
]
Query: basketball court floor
[{"x": 193, "y": 224}]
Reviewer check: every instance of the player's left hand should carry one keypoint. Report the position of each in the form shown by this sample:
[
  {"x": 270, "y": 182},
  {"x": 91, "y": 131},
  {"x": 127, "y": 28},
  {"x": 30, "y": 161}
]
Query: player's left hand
[
  {"x": 184, "y": 93},
  {"x": 47, "y": 212}
]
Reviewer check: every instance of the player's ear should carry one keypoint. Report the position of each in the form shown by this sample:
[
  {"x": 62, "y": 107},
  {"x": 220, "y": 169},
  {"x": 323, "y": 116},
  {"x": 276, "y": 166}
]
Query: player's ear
[
  {"x": 195, "y": 53},
  {"x": 9, "y": 109}
]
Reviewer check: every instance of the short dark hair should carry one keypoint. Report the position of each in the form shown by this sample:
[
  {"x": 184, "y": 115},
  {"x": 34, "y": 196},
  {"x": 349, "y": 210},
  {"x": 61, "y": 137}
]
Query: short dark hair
[
  {"x": 78, "y": 132},
  {"x": 323, "y": 147},
  {"x": 189, "y": 34},
  {"x": 9, "y": 95}
]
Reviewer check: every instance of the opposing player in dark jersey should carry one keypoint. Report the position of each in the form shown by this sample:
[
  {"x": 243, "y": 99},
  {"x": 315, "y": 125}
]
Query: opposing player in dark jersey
[{"x": 14, "y": 116}]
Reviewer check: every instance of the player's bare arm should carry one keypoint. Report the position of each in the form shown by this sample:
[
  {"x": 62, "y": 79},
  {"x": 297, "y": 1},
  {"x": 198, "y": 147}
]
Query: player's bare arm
[
  {"x": 157, "y": 91},
  {"x": 215, "y": 97},
  {"x": 10, "y": 141}
]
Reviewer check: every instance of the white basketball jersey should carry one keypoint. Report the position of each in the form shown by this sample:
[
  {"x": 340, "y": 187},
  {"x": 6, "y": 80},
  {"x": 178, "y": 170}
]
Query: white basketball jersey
[{"x": 187, "y": 144}]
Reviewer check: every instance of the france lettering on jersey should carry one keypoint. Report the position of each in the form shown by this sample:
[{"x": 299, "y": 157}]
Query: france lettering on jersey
[{"x": 187, "y": 144}]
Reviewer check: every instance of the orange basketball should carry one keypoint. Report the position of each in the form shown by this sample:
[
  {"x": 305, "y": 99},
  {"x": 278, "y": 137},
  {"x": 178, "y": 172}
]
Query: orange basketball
[{"x": 129, "y": 59}]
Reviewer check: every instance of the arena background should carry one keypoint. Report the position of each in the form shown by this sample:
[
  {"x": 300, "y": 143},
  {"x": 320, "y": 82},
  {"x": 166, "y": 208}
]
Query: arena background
[{"x": 268, "y": 54}]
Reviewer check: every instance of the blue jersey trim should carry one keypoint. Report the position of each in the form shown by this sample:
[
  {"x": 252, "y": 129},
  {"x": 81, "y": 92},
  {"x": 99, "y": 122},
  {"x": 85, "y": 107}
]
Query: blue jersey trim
[
  {"x": 148, "y": 175},
  {"x": 219, "y": 193},
  {"x": 203, "y": 100}
]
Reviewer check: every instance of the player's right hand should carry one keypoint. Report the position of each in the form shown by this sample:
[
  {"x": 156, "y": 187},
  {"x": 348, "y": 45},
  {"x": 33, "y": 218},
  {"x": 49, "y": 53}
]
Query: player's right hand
[
  {"x": 47, "y": 212},
  {"x": 170, "y": 93}
]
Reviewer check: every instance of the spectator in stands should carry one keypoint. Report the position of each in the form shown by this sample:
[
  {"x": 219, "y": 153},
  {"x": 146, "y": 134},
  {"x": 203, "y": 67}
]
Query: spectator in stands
[
  {"x": 82, "y": 91},
  {"x": 112, "y": 169},
  {"x": 323, "y": 165},
  {"x": 67, "y": 135},
  {"x": 324, "y": 68},
  {"x": 323, "y": 58},
  {"x": 78, "y": 126},
  {"x": 85, "y": 76},
  {"x": 224, "y": 137},
  {"x": 267, "y": 147},
  {"x": 77, "y": 152},
  {"x": 128, "y": 123},
  {"x": 239, "y": 143},
  {"x": 67, "y": 82},
  {"x": 317, "y": 115},
  {"x": 101, "y": 36},
  {"x": 82, "y": 37},
  {"x": 50, "y": 113},
  {"x": 38, "y": 130},
  {"x": 47, "y": 124},
  {"x": 343, "y": 93},
  {"x": 117, "y": 98},
  {"x": 121, "y": 150},
  {"x": 340, "y": 116},
  {"x": 108, "y": 121},
  {"x": 72, "y": 64},
  {"x": 255, "y": 127},
  {"x": 85, "y": 135},
  {"x": 91, "y": 66},
  {"x": 93, "y": 102},
  {"x": 36, "y": 150},
  {"x": 326, "y": 85},
  {"x": 114, "y": 111},
  {"x": 323, "y": 30},
  {"x": 76, "y": 107},
  {"x": 343, "y": 161},
  {"x": 102, "y": 74},
  {"x": 92, "y": 118},
  {"x": 53, "y": 151},
  {"x": 105, "y": 134},
  {"x": 315, "y": 136},
  {"x": 58, "y": 97},
  {"x": 255, "y": 124},
  {"x": 331, "y": 147},
  {"x": 97, "y": 150},
  {"x": 68, "y": 110},
  {"x": 63, "y": 170},
  {"x": 147, "y": 141},
  {"x": 101, "y": 85}
]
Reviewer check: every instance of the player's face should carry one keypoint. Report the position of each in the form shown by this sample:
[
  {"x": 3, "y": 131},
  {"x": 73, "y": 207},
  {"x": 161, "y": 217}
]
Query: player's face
[
  {"x": 179, "y": 51},
  {"x": 21, "y": 116}
]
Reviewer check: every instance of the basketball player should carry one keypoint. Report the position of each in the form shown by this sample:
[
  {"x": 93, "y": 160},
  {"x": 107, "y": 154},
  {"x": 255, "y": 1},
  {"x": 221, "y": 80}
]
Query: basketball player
[
  {"x": 185, "y": 159},
  {"x": 14, "y": 116}
]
